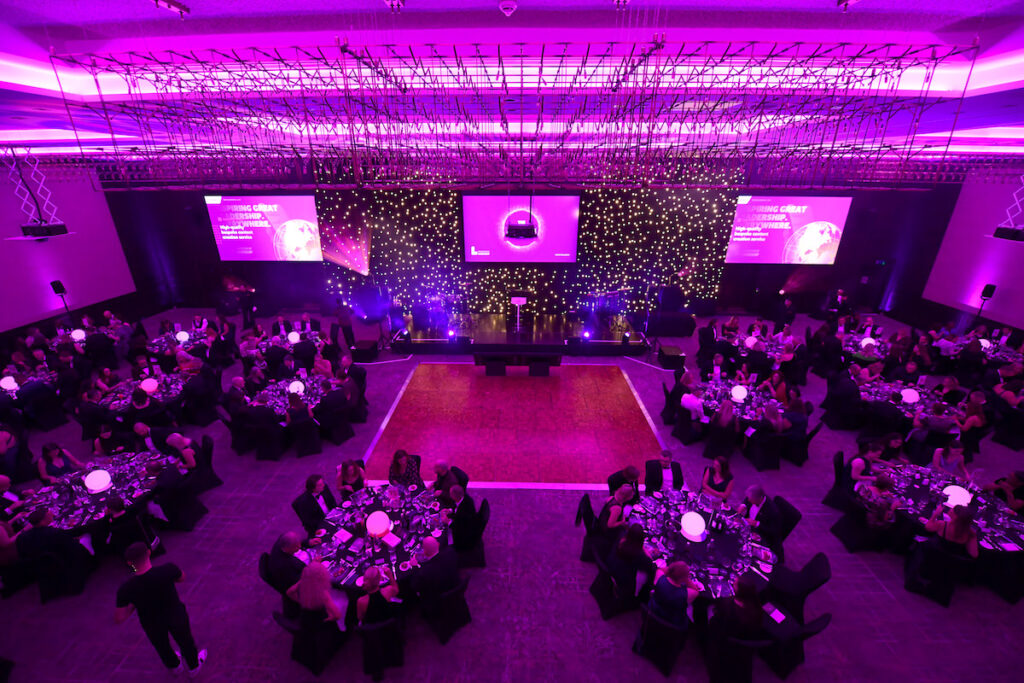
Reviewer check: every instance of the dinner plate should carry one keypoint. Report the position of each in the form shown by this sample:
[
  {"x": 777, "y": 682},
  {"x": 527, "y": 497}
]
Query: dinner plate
[
  {"x": 404, "y": 566},
  {"x": 413, "y": 487},
  {"x": 359, "y": 581},
  {"x": 657, "y": 494},
  {"x": 320, "y": 532},
  {"x": 347, "y": 504},
  {"x": 436, "y": 533}
]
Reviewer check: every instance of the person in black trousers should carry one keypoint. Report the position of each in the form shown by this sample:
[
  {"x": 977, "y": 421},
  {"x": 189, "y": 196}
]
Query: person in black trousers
[
  {"x": 345, "y": 323},
  {"x": 152, "y": 593}
]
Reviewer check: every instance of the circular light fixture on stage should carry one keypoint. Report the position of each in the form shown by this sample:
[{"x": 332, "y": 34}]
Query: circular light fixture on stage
[
  {"x": 8, "y": 383},
  {"x": 750, "y": 342},
  {"x": 293, "y": 337},
  {"x": 985, "y": 343},
  {"x": 77, "y": 335},
  {"x": 296, "y": 387},
  {"x": 865, "y": 342},
  {"x": 378, "y": 524},
  {"x": 182, "y": 336},
  {"x": 149, "y": 385},
  {"x": 451, "y": 333},
  {"x": 97, "y": 481},
  {"x": 910, "y": 396},
  {"x": 586, "y": 334},
  {"x": 956, "y": 495},
  {"x": 739, "y": 393},
  {"x": 694, "y": 527}
]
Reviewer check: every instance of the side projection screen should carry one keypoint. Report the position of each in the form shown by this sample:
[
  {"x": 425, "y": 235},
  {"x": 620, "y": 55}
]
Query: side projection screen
[
  {"x": 520, "y": 228},
  {"x": 798, "y": 230},
  {"x": 265, "y": 228}
]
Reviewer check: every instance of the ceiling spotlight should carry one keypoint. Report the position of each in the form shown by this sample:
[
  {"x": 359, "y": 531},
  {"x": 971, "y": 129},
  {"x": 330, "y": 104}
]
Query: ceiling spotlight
[
  {"x": 173, "y": 6},
  {"x": 621, "y": 4},
  {"x": 845, "y": 4},
  {"x": 507, "y": 7},
  {"x": 395, "y": 5}
]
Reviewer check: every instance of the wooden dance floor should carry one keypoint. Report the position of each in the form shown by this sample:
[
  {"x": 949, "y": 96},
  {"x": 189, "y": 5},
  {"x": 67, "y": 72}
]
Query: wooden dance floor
[{"x": 577, "y": 426}]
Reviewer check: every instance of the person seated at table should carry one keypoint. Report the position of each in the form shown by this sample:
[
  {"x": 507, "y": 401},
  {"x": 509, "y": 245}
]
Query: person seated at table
[
  {"x": 12, "y": 504},
  {"x": 313, "y": 504},
  {"x": 187, "y": 363},
  {"x": 974, "y": 416},
  {"x": 717, "y": 370},
  {"x": 893, "y": 448},
  {"x": 758, "y": 328},
  {"x": 350, "y": 477},
  {"x": 873, "y": 372},
  {"x": 722, "y": 431},
  {"x": 1012, "y": 392},
  {"x": 950, "y": 459},
  {"x": 150, "y": 438},
  {"x": 1009, "y": 489},
  {"x": 744, "y": 375},
  {"x": 629, "y": 564},
  {"x": 249, "y": 347},
  {"x": 258, "y": 414},
  {"x": 105, "y": 380},
  {"x": 235, "y": 397},
  {"x": 937, "y": 422},
  {"x": 255, "y": 382},
  {"x": 717, "y": 480},
  {"x": 259, "y": 333},
  {"x": 761, "y": 515},
  {"x": 956, "y": 535},
  {"x": 758, "y": 360},
  {"x": 693, "y": 403},
  {"x": 322, "y": 367},
  {"x": 612, "y": 519},
  {"x": 627, "y": 476},
  {"x": 950, "y": 391},
  {"x": 908, "y": 373},
  {"x": 447, "y": 476},
  {"x": 313, "y": 592},
  {"x": 674, "y": 591},
  {"x": 280, "y": 327},
  {"x": 284, "y": 569},
  {"x": 775, "y": 386},
  {"x": 109, "y": 442},
  {"x": 40, "y": 538},
  {"x": 142, "y": 368},
  {"x": 771, "y": 421},
  {"x": 297, "y": 410},
  {"x": 437, "y": 572},
  {"x": 377, "y": 605},
  {"x": 288, "y": 369},
  {"x": 462, "y": 515},
  {"x": 199, "y": 323},
  {"x": 405, "y": 469},
  {"x": 731, "y": 327},
  {"x": 55, "y": 462},
  {"x": 145, "y": 408},
  {"x": 121, "y": 529},
  {"x": 662, "y": 472},
  {"x": 862, "y": 467},
  {"x": 923, "y": 353},
  {"x": 182, "y": 448},
  {"x": 737, "y": 617},
  {"x": 8, "y": 544},
  {"x": 165, "y": 327},
  {"x": 785, "y": 336},
  {"x": 879, "y": 500}
]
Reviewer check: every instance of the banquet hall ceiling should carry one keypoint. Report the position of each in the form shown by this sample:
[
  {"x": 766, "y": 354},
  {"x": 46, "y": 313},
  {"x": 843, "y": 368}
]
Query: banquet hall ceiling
[{"x": 793, "y": 91}]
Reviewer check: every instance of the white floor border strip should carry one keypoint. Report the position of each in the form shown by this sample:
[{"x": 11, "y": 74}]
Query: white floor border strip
[
  {"x": 385, "y": 362},
  {"x": 643, "y": 408},
  {"x": 650, "y": 365},
  {"x": 387, "y": 418},
  {"x": 523, "y": 485}
]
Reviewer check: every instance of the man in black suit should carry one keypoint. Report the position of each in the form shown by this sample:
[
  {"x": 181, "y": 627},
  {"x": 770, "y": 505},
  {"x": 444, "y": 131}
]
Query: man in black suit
[
  {"x": 661, "y": 471},
  {"x": 287, "y": 369},
  {"x": 42, "y": 539},
  {"x": 283, "y": 567},
  {"x": 258, "y": 414},
  {"x": 308, "y": 324},
  {"x": 91, "y": 414},
  {"x": 628, "y": 476},
  {"x": 152, "y": 438},
  {"x": 438, "y": 572},
  {"x": 785, "y": 315},
  {"x": 448, "y": 476},
  {"x": 234, "y": 398},
  {"x": 715, "y": 369},
  {"x": 305, "y": 353},
  {"x": 842, "y": 392},
  {"x": 762, "y": 516},
  {"x": 759, "y": 362},
  {"x": 281, "y": 327},
  {"x": 314, "y": 503},
  {"x": 335, "y": 400},
  {"x": 357, "y": 373},
  {"x": 908, "y": 373},
  {"x": 274, "y": 356},
  {"x": 707, "y": 335},
  {"x": 463, "y": 519}
]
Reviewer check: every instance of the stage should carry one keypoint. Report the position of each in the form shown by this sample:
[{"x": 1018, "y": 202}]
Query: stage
[{"x": 570, "y": 334}]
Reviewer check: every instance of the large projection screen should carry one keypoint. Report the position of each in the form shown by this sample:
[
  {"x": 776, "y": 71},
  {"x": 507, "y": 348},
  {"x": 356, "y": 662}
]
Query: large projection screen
[
  {"x": 797, "y": 230},
  {"x": 488, "y": 219},
  {"x": 265, "y": 228}
]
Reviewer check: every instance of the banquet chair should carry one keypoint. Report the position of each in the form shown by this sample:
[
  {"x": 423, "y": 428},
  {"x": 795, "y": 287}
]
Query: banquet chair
[
  {"x": 763, "y": 449},
  {"x": 797, "y": 451},
  {"x": 783, "y": 657},
  {"x": 659, "y": 641},
  {"x": 180, "y": 505},
  {"x": 474, "y": 557},
  {"x": 269, "y": 441},
  {"x": 383, "y": 647},
  {"x": 41, "y": 406},
  {"x": 612, "y": 599},
  {"x": 129, "y": 528},
  {"x": 733, "y": 661},
  {"x": 289, "y": 607},
  {"x": 203, "y": 475},
  {"x": 314, "y": 641},
  {"x": 855, "y": 534},
  {"x": 668, "y": 412},
  {"x": 585, "y": 516},
  {"x": 789, "y": 589},
  {"x": 1009, "y": 429},
  {"x": 934, "y": 572},
  {"x": 451, "y": 612},
  {"x": 686, "y": 430},
  {"x": 334, "y": 426},
  {"x": 304, "y": 436},
  {"x": 838, "y": 497},
  {"x": 790, "y": 518}
]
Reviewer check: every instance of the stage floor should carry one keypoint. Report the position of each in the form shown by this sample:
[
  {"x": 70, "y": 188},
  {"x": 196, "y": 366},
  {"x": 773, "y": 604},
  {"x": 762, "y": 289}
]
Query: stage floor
[
  {"x": 498, "y": 328},
  {"x": 575, "y": 427}
]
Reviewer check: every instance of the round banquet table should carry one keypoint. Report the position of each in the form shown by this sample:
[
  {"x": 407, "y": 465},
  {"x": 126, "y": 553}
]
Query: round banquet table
[
  {"x": 278, "y": 392},
  {"x": 165, "y": 342},
  {"x": 879, "y": 390},
  {"x": 716, "y": 561},
  {"x": 44, "y": 375},
  {"x": 285, "y": 344},
  {"x": 74, "y": 508},
  {"x": 749, "y": 410},
  {"x": 119, "y": 398},
  {"x": 852, "y": 345},
  {"x": 919, "y": 490},
  {"x": 347, "y": 549}
]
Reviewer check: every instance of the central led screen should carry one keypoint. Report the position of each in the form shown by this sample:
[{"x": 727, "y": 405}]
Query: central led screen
[
  {"x": 799, "y": 230},
  {"x": 520, "y": 228},
  {"x": 265, "y": 228}
]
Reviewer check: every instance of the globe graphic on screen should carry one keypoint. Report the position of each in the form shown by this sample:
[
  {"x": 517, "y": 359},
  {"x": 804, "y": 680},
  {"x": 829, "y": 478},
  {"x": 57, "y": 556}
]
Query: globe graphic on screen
[
  {"x": 816, "y": 242},
  {"x": 517, "y": 218},
  {"x": 297, "y": 240}
]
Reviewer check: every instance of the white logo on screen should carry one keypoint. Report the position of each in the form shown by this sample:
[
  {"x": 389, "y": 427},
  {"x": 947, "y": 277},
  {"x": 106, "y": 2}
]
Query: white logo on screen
[{"x": 473, "y": 251}]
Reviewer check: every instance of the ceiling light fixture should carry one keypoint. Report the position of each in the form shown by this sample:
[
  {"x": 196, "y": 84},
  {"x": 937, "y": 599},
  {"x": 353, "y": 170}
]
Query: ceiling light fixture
[
  {"x": 507, "y": 7},
  {"x": 173, "y": 6},
  {"x": 621, "y": 4},
  {"x": 395, "y": 5}
]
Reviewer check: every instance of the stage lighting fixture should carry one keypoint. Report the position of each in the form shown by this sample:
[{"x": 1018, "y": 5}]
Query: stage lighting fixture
[
  {"x": 586, "y": 335},
  {"x": 782, "y": 292},
  {"x": 451, "y": 333},
  {"x": 625, "y": 337},
  {"x": 507, "y": 7},
  {"x": 173, "y": 6}
]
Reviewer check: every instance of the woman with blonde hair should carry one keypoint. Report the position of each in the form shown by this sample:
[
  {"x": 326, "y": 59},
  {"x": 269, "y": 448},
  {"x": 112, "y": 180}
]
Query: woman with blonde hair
[{"x": 313, "y": 592}]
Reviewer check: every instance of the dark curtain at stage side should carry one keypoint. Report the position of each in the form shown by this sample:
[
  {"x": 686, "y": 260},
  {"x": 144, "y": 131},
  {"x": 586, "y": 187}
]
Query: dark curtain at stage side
[{"x": 627, "y": 238}]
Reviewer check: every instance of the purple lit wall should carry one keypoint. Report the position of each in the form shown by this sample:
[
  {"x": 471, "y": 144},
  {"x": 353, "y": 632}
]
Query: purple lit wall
[
  {"x": 970, "y": 257},
  {"x": 90, "y": 263}
]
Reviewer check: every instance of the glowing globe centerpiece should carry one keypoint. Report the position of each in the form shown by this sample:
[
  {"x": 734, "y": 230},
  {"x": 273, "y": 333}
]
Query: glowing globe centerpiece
[
  {"x": 296, "y": 387},
  {"x": 97, "y": 481},
  {"x": 182, "y": 337},
  {"x": 8, "y": 383},
  {"x": 694, "y": 527},
  {"x": 985, "y": 343},
  {"x": 866, "y": 342},
  {"x": 750, "y": 342},
  {"x": 910, "y": 396},
  {"x": 293, "y": 337},
  {"x": 739, "y": 393},
  {"x": 78, "y": 335},
  {"x": 956, "y": 495},
  {"x": 149, "y": 385},
  {"x": 378, "y": 524}
]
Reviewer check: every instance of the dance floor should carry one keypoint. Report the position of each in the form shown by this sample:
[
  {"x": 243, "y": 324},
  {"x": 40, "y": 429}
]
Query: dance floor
[{"x": 574, "y": 427}]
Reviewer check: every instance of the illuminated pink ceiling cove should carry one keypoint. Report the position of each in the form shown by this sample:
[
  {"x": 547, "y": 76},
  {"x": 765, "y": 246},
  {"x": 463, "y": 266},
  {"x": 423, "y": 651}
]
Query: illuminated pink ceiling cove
[{"x": 578, "y": 92}]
